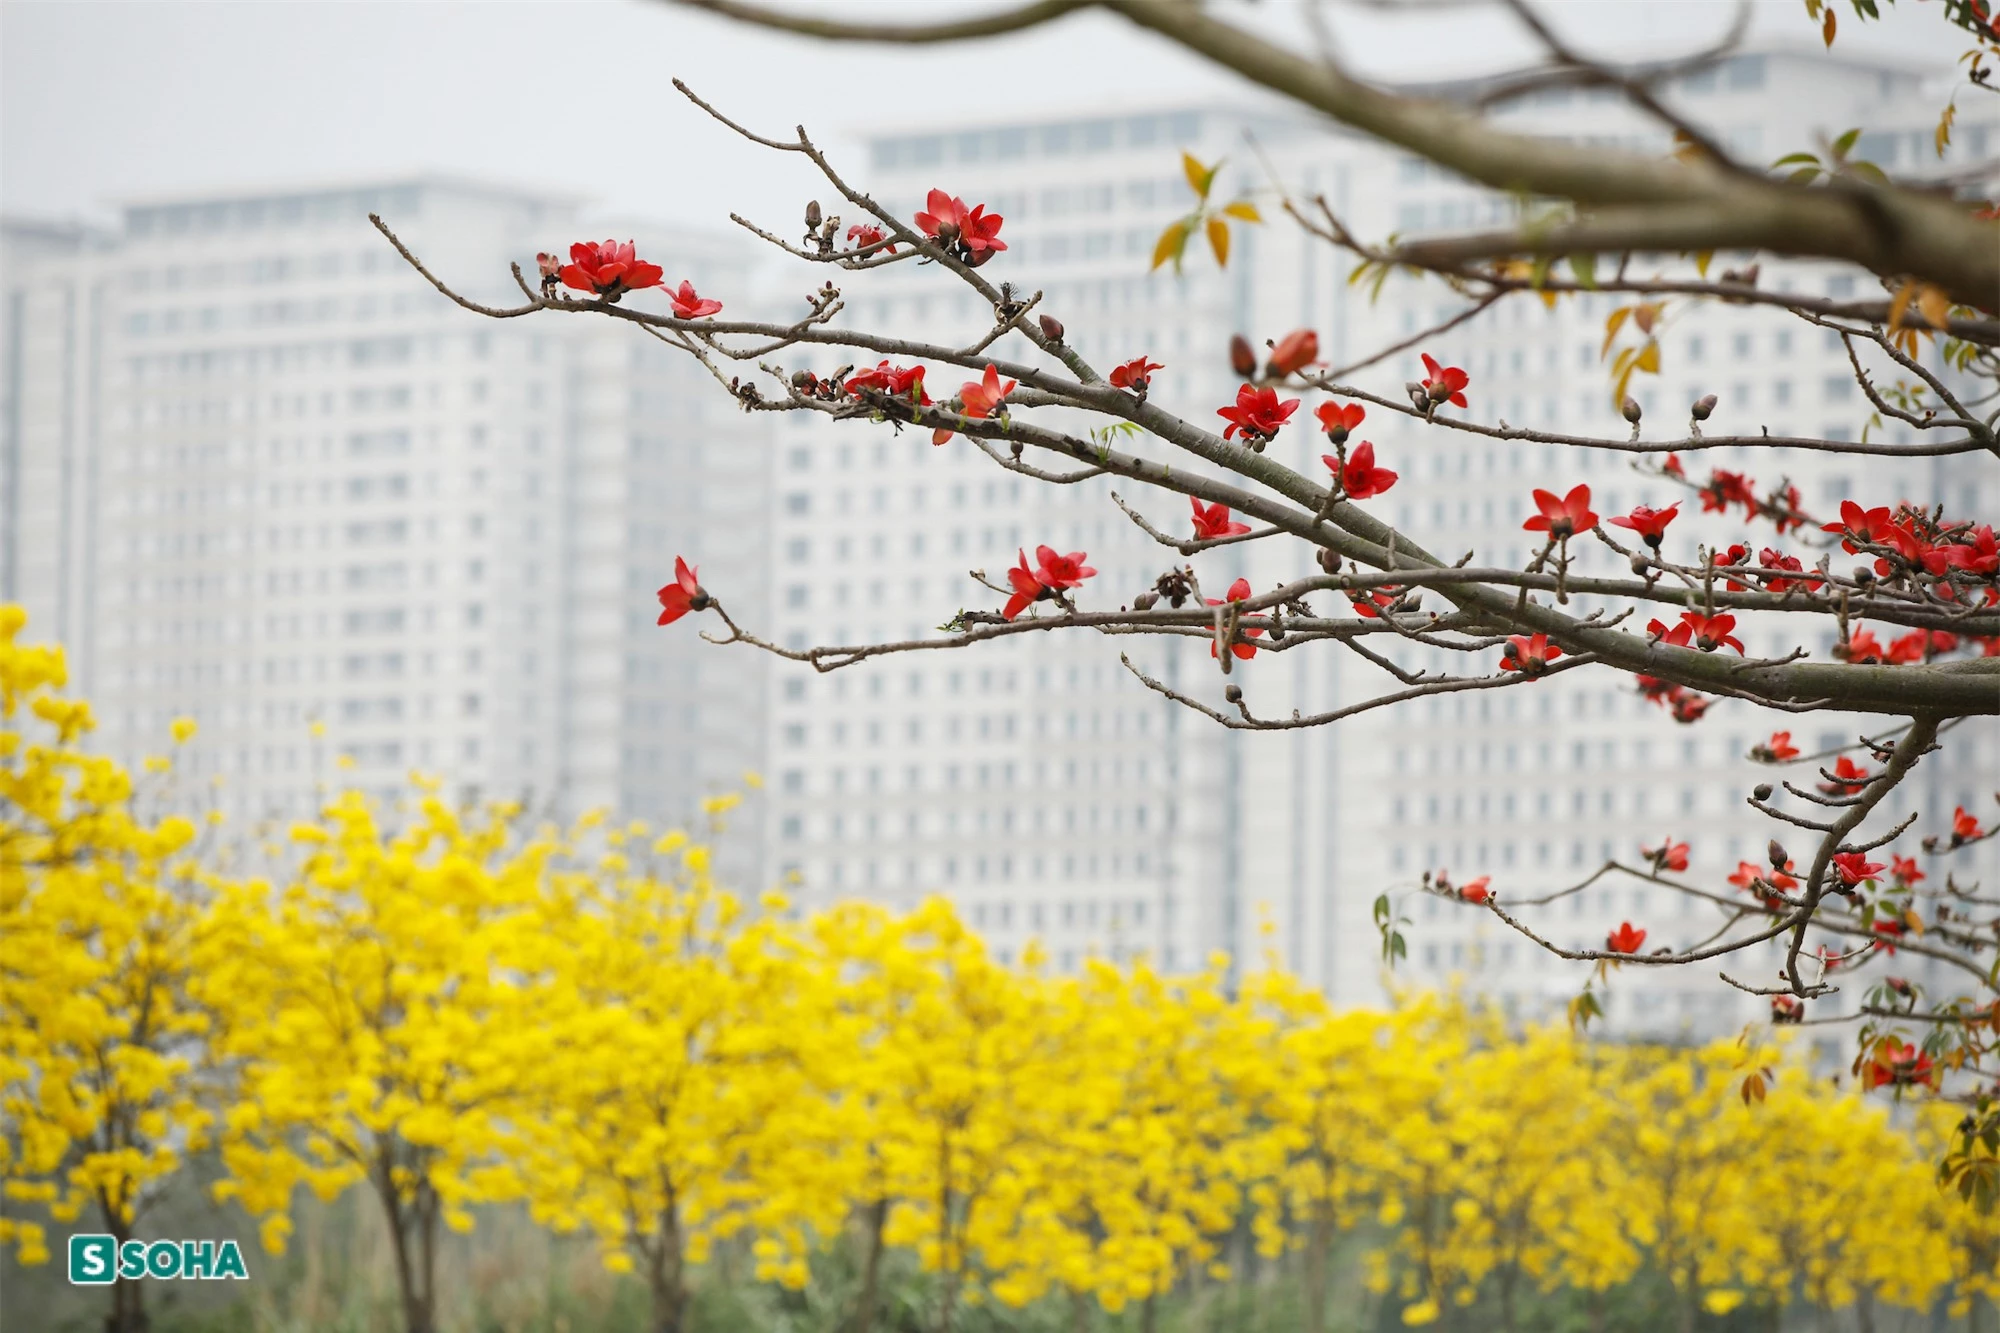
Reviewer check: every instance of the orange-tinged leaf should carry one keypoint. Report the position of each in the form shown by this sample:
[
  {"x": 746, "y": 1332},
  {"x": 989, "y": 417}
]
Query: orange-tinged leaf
[
  {"x": 1900, "y": 305},
  {"x": 1612, "y": 324},
  {"x": 1828, "y": 26},
  {"x": 1942, "y": 136},
  {"x": 1935, "y": 305},
  {"x": 1753, "y": 1088},
  {"x": 1170, "y": 245},
  {"x": 1244, "y": 209},
  {"x": 1913, "y": 921},
  {"x": 1218, "y": 241},
  {"x": 1199, "y": 177},
  {"x": 1647, "y": 315}
]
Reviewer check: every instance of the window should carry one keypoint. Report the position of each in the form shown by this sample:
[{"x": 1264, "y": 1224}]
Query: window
[{"x": 798, "y": 502}]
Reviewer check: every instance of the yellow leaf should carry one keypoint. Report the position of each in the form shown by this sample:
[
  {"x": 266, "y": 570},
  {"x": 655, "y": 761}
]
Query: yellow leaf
[
  {"x": 1199, "y": 177},
  {"x": 1243, "y": 209},
  {"x": 1935, "y": 305},
  {"x": 1702, "y": 260},
  {"x": 1615, "y": 322},
  {"x": 1942, "y": 137},
  {"x": 1172, "y": 241},
  {"x": 1218, "y": 240},
  {"x": 1913, "y": 921},
  {"x": 1649, "y": 357}
]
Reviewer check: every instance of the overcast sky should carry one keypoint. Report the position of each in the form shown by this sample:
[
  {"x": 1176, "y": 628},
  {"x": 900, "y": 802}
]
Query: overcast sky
[{"x": 101, "y": 102}]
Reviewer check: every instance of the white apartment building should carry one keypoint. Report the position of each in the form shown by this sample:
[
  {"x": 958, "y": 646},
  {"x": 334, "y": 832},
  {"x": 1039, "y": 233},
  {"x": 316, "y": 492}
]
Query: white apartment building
[
  {"x": 258, "y": 472},
  {"x": 1058, "y": 800}
]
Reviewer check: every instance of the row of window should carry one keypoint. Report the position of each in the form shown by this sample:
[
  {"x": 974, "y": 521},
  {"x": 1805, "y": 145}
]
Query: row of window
[{"x": 1008, "y": 143}]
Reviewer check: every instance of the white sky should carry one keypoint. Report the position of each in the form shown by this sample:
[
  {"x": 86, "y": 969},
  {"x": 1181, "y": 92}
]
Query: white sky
[{"x": 106, "y": 101}]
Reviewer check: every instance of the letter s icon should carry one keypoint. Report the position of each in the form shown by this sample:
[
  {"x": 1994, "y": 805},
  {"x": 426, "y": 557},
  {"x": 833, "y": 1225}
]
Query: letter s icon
[{"x": 91, "y": 1260}]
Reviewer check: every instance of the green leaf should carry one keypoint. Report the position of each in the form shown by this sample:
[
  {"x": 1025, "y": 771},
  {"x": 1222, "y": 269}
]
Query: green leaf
[
  {"x": 1845, "y": 142},
  {"x": 1790, "y": 158},
  {"x": 1585, "y": 269}
]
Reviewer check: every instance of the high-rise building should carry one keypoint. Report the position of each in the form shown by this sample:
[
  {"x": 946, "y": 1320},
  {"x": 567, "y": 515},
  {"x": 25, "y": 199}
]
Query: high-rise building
[
  {"x": 1044, "y": 787},
  {"x": 257, "y": 471}
]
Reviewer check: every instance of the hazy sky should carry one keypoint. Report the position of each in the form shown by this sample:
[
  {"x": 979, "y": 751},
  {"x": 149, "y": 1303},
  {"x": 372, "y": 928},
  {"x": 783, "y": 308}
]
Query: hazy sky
[{"x": 101, "y": 102}]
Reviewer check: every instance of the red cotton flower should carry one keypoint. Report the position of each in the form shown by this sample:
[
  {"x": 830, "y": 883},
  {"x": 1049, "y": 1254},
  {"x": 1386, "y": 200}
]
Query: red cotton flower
[
  {"x": 1027, "y": 589},
  {"x": 683, "y": 595},
  {"x": 1475, "y": 890},
  {"x": 689, "y": 305},
  {"x": 1239, "y": 591},
  {"x": 1856, "y": 524},
  {"x": 1855, "y": 867},
  {"x": 1370, "y": 605},
  {"x": 1764, "y": 884},
  {"x": 1896, "y": 1063},
  {"x": 1770, "y": 559},
  {"x": 1849, "y": 776},
  {"x": 1964, "y": 827},
  {"x": 1778, "y": 750},
  {"x": 1688, "y": 708},
  {"x": 1359, "y": 478},
  {"x": 1727, "y": 488},
  {"x": 1562, "y": 518},
  {"x": 1528, "y": 654},
  {"x": 1213, "y": 521},
  {"x": 1712, "y": 632},
  {"x": 973, "y": 234},
  {"x": 1669, "y": 855},
  {"x": 1905, "y": 869},
  {"x": 1861, "y": 648},
  {"x": 1258, "y": 414},
  {"x": 1650, "y": 524},
  {"x": 862, "y": 235},
  {"x": 1444, "y": 384},
  {"x": 1626, "y": 939},
  {"x": 1672, "y": 467},
  {"x": 1051, "y": 573},
  {"x": 1338, "y": 420},
  {"x": 1787, "y": 1009},
  {"x": 1136, "y": 374},
  {"x": 895, "y": 381},
  {"x": 1295, "y": 351},
  {"x": 980, "y": 397},
  {"x": 608, "y": 270},
  {"x": 1888, "y": 930}
]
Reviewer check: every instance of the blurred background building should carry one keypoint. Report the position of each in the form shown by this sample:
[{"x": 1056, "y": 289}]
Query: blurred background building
[{"x": 256, "y": 471}]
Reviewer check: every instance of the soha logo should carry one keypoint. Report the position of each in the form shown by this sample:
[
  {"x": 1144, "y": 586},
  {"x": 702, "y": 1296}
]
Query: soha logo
[{"x": 97, "y": 1260}]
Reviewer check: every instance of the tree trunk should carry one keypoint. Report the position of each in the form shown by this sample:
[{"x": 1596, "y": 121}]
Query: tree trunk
[
  {"x": 419, "y": 1309},
  {"x": 1079, "y": 1312},
  {"x": 947, "y": 1251},
  {"x": 1149, "y": 1314},
  {"x": 666, "y": 1274},
  {"x": 871, "y": 1267},
  {"x": 1317, "y": 1244},
  {"x": 1864, "y": 1311},
  {"x": 1598, "y": 1316},
  {"x": 128, "y": 1297},
  {"x": 1508, "y": 1277}
]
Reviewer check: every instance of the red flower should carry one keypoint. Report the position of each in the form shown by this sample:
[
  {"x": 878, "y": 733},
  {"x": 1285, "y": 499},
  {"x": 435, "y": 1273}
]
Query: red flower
[
  {"x": 980, "y": 398},
  {"x": 1964, "y": 828},
  {"x": 1896, "y": 1063},
  {"x": 1778, "y": 750},
  {"x": 1851, "y": 778},
  {"x": 1562, "y": 518},
  {"x": 1650, "y": 524},
  {"x": 1529, "y": 655},
  {"x": 687, "y": 305},
  {"x": 1360, "y": 478},
  {"x": 1762, "y": 883},
  {"x": 972, "y": 233},
  {"x": 1860, "y": 525},
  {"x": 1855, "y": 867},
  {"x": 1727, "y": 488},
  {"x": 1905, "y": 869},
  {"x": 1213, "y": 521},
  {"x": 1771, "y": 559},
  {"x": 895, "y": 381},
  {"x": 1669, "y": 855},
  {"x": 683, "y": 595},
  {"x": 1653, "y": 689},
  {"x": 1258, "y": 414},
  {"x": 1062, "y": 571},
  {"x": 1027, "y": 587},
  {"x": 1887, "y": 930},
  {"x": 1711, "y": 632},
  {"x": 865, "y": 234},
  {"x": 1626, "y": 939},
  {"x": 1445, "y": 384},
  {"x": 1135, "y": 374},
  {"x": 1475, "y": 891},
  {"x": 1339, "y": 419},
  {"x": 608, "y": 270},
  {"x": 1861, "y": 647},
  {"x": 1787, "y": 1009},
  {"x": 1688, "y": 708},
  {"x": 1370, "y": 605},
  {"x": 1239, "y": 591},
  {"x": 1294, "y": 351},
  {"x": 1976, "y": 552},
  {"x": 1672, "y": 467}
]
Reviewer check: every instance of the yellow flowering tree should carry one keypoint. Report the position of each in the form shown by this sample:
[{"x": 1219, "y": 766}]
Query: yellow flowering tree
[
  {"x": 101, "y": 1062},
  {"x": 381, "y": 1006}
]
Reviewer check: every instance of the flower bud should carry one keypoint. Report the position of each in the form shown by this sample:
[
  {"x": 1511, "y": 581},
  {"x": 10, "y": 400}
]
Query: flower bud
[
  {"x": 1146, "y": 601},
  {"x": 1630, "y": 410},
  {"x": 1420, "y": 397},
  {"x": 1762, "y": 791},
  {"x": 1329, "y": 560},
  {"x": 1779, "y": 856},
  {"x": 1052, "y": 328},
  {"x": 1864, "y": 575},
  {"x": 1233, "y": 693},
  {"x": 1702, "y": 407},
  {"x": 1295, "y": 351},
  {"x": 1640, "y": 564},
  {"x": 1242, "y": 357},
  {"x": 812, "y": 215}
]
